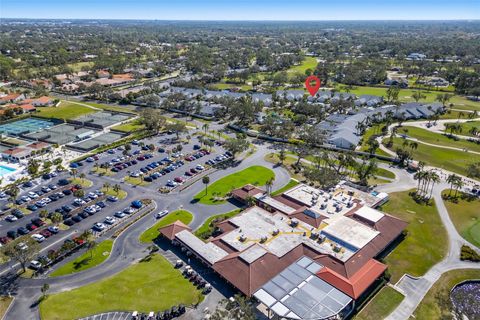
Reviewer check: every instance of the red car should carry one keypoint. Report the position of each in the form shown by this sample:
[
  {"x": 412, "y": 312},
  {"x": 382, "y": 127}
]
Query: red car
[
  {"x": 78, "y": 241},
  {"x": 46, "y": 233},
  {"x": 141, "y": 158},
  {"x": 95, "y": 157},
  {"x": 178, "y": 179}
]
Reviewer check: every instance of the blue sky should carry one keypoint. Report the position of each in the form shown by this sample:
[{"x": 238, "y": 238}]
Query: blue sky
[{"x": 243, "y": 9}]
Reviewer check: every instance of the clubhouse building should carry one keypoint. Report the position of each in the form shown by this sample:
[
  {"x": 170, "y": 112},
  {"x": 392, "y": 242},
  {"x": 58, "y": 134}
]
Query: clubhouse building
[{"x": 304, "y": 254}]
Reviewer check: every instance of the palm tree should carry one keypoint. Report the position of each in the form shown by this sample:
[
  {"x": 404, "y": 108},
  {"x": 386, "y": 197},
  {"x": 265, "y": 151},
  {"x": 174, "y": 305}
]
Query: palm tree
[
  {"x": 90, "y": 246},
  {"x": 205, "y": 127},
  {"x": 43, "y": 213},
  {"x": 269, "y": 185},
  {"x": 451, "y": 180},
  {"x": 74, "y": 173},
  {"x": 458, "y": 184},
  {"x": 434, "y": 178},
  {"x": 250, "y": 201},
  {"x": 117, "y": 188},
  {"x": 206, "y": 181},
  {"x": 82, "y": 176},
  {"x": 106, "y": 186}
]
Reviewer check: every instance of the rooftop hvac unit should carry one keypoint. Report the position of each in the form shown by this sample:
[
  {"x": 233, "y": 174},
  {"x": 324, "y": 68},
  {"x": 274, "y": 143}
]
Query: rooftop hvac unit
[
  {"x": 337, "y": 248},
  {"x": 338, "y": 208},
  {"x": 294, "y": 223},
  {"x": 243, "y": 238},
  {"x": 323, "y": 206},
  {"x": 350, "y": 204},
  {"x": 275, "y": 232},
  {"x": 263, "y": 239},
  {"x": 314, "y": 235},
  {"x": 321, "y": 238}
]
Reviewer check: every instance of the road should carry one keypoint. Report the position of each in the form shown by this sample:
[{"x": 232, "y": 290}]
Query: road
[{"x": 127, "y": 250}]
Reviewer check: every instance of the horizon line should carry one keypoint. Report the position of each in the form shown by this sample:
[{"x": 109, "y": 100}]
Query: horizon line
[{"x": 239, "y": 20}]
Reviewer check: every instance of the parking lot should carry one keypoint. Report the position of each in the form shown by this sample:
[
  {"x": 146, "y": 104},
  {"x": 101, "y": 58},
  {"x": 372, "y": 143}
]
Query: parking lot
[
  {"x": 163, "y": 166},
  {"x": 160, "y": 163}
]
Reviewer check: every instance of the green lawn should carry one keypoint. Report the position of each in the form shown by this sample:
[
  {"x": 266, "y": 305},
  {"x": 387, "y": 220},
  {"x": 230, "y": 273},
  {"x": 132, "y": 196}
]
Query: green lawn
[
  {"x": 87, "y": 260},
  {"x": 465, "y": 215},
  {"x": 150, "y": 285},
  {"x": 434, "y": 304},
  {"x": 207, "y": 227},
  {"x": 66, "y": 110},
  {"x": 4, "y": 303},
  {"x": 452, "y": 160},
  {"x": 292, "y": 183},
  {"x": 152, "y": 233},
  {"x": 77, "y": 66},
  {"x": 256, "y": 175},
  {"x": 83, "y": 182},
  {"x": 131, "y": 126},
  {"x": 438, "y": 139},
  {"x": 111, "y": 107},
  {"x": 136, "y": 181},
  {"x": 122, "y": 194},
  {"x": 384, "y": 302},
  {"x": 405, "y": 95},
  {"x": 385, "y": 173},
  {"x": 466, "y": 126},
  {"x": 307, "y": 63},
  {"x": 426, "y": 243}
]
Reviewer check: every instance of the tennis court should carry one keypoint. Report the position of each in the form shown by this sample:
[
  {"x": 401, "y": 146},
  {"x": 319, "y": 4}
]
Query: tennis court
[
  {"x": 103, "y": 119},
  {"x": 25, "y": 126},
  {"x": 61, "y": 134},
  {"x": 98, "y": 141}
]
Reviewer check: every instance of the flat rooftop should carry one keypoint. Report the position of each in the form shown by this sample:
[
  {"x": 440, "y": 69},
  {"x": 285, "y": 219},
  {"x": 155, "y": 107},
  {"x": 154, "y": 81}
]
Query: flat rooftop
[
  {"x": 276, "y": 234},
  {"x": 346, "y": 231},
  {"x": 208, "y": 251},
  {"x": 327, "y": 204}
]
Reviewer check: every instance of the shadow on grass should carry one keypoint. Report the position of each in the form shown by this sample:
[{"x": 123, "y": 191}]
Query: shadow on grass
[{"x": 81, "y": 263}]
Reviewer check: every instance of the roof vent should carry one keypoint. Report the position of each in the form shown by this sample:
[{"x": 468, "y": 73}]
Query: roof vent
[{"x": 293, "y": 223}]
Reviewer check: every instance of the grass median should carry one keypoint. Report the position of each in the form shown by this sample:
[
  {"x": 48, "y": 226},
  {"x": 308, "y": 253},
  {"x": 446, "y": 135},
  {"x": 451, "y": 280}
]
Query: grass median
[
  {"x": 217, "y": 191},
  {"x": 384, "y": 302},
  {"x": 206, "y": 229},
  {"x": 87, "y": 260},
  {"x": 152, "y": 233}
]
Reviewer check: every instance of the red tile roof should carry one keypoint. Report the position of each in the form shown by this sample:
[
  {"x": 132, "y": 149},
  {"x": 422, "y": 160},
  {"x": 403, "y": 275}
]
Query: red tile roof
[
  {"x": 172, "y": 229},
  {"x": 359, "y": 282},
  {"x": 244, "y": 192},
  {"x": 11, "y": 96},
  {"x": 28, "y": 107}
]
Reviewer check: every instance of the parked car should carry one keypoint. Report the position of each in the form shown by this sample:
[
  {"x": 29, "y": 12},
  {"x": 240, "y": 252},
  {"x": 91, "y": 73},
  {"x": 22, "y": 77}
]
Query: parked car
[
  {"x": 110, "y": 220},
  {"x": 38, "y": 237},
  {"x": 99, "y": 226}
]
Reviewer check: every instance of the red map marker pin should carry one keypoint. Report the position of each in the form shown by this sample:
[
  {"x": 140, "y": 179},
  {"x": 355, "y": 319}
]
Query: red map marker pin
[{"x": 312, "y": 88}]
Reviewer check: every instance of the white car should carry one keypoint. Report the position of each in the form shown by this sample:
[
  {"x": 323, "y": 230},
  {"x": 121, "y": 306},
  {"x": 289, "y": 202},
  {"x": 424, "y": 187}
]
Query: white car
[
  {"x": 79, "y": 201},
  {"x": 22, "y": 246},
  {"x": 47, "y": 200},
  {"x": 38, "y": 237},
  {"x": 90, "y": 210},
  {"x": 161, "y": 214},
  {"x": 35, "y": 265},
  {"x": 110, "y": 220},
  {"x": 92, "y": 195},
  {"x": 32, "y": 195},
  {"x": 11, "y": 218},
  {"x": 99, "y": 226},
  {"x": 199, "y": 167},
  {"x": 135, "y": 174}
]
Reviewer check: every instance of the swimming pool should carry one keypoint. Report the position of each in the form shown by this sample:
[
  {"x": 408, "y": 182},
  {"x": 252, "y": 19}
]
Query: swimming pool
[{"x": 6, "y": 170}]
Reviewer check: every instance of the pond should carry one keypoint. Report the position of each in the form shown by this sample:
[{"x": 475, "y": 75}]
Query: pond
[{"x": 466, "y": 299}]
